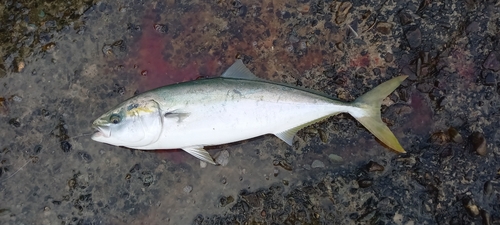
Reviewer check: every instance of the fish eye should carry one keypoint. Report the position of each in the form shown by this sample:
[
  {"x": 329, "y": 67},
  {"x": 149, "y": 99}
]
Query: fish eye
[{"x": 115, "y": 118}]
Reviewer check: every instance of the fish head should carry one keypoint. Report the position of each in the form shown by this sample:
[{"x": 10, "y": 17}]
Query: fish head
[{"x": 134, "y": 123}]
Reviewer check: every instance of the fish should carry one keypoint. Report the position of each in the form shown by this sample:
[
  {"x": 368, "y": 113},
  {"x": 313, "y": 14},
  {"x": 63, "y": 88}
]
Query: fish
[{"x": 233, "y": 107}]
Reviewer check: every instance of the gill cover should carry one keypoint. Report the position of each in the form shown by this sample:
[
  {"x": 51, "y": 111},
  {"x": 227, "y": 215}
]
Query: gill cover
[{"x": 143, "y": 124}]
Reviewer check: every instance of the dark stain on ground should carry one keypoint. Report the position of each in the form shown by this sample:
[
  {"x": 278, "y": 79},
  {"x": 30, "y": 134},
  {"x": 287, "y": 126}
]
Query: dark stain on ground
[{"x": 152, "y": 54}]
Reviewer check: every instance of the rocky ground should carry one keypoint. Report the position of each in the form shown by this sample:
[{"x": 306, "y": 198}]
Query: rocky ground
[{"x": 64, "y": 64}]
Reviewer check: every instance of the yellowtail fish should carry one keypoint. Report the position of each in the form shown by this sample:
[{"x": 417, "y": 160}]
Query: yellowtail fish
[{"x": 234, "y": 107}]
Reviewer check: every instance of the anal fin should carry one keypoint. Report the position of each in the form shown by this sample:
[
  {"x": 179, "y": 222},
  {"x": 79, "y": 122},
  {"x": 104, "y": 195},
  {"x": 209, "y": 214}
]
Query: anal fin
[{"x": 200, "y": 153}]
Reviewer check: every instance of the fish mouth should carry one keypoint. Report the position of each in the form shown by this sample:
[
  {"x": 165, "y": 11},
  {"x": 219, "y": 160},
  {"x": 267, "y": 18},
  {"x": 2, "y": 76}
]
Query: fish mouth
[{"x": 101, "y": 131}]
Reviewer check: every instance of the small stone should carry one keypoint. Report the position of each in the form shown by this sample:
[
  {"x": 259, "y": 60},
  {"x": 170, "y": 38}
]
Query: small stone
[
  {"x": 405, "y": 18},
  {"x": 84, "y": 156},
  {"x": 414, "y": 37},
  {"x": 107, "y": 50},
  {"x": 293, "y": 39},
  {"x": 373, "y": 167},
  {"x": 368, "y": 216},
  {"x": 276, "y": 172},
  {"x": 486, "y": 217},
  {"x": 15, "y": 122},
  {"x": 342, "y": 12},
  {"x": 384, "y": 28},
  {"x": 147, "y": 178},
  {"x": 161, "y": 28},
  {"x": 222, "y": 158},
  {"x": 65, "y": 146},
  {"x": 37, "y": 149},
  {"x": 328, "y": 72},
  {"x": 285, "y": 165},
  {"x": 188, "y": 189},
  {"x": 473, "y": 27},
  {"x": 365, "y": 182},
  {"x": 388, "y": 57},
  {"x": 135, "y": 168},
  {"x": 335, "y": 158},
  {"x": 253, "y": 199},
  {"x": 17, "y": 98},
  {"x": 446, "y": 154},
  {"x": 317, "y": 164},
  {"x": 72, "y": 183},
  {"x": 242, "y": 11},
  {"x": 489, "y": 78},
  {"x": 286, "y": 15},
  {"x": 203, "y": 164},
  {"x": 440, "y": 137},
  {"x": 49, "y": 46},
  {"x": 303, "y": 8},
  {"x": 488, "y": 188},
  {"x": 19, "y": 65},
  {"x": 424, "y": 87},
  {"x": 223, "y": 201},
  {"x": 479, "y": 143},
  {"x": 470, "y": 207},
  {"x": 454, "y": 135},
  {"x": 492, "y": 62},
  {"x": 323, "y": 136},
  {"x": 473, "y": 210}
]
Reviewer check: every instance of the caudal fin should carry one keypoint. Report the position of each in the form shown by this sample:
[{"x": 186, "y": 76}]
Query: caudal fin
[{"x": 370, "y": 118}]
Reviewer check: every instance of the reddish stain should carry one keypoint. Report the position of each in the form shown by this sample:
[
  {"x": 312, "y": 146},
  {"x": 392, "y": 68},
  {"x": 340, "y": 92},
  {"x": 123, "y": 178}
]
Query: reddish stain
[
  {"x": 175, "y": 156},
  {"x": 310, "y": 60},
  {"x": 149, "y": 58},
  {"x": 421, "y": 116},
  {"x": 462, "y": 63},
  {"x": 360, "y": 61}
]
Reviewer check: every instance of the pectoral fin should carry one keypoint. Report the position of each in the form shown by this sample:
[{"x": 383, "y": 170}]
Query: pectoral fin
[
  {"x": 200, "y": 153},
  {"x": 179, "y": 116}
]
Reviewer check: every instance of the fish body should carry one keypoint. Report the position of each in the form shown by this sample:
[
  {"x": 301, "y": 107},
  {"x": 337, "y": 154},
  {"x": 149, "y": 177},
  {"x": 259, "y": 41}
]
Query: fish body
[{"x": 231, "y": 108}]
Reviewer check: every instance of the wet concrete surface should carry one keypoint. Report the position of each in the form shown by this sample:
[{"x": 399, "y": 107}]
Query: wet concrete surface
[{"x": 64, "y": 65}]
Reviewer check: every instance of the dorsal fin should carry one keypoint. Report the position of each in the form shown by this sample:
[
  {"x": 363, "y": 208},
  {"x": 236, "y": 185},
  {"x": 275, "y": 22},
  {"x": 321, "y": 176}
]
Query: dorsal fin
[{"x": 240, "y": 71}]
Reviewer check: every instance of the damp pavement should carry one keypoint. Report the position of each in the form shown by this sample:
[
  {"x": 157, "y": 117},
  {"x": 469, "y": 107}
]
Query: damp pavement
[{"x": 64, "y": 64}]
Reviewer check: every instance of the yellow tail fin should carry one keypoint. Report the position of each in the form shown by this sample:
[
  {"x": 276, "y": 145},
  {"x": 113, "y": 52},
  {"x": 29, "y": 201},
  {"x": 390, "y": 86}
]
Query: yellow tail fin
[{"x": 370, "y": 104}]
